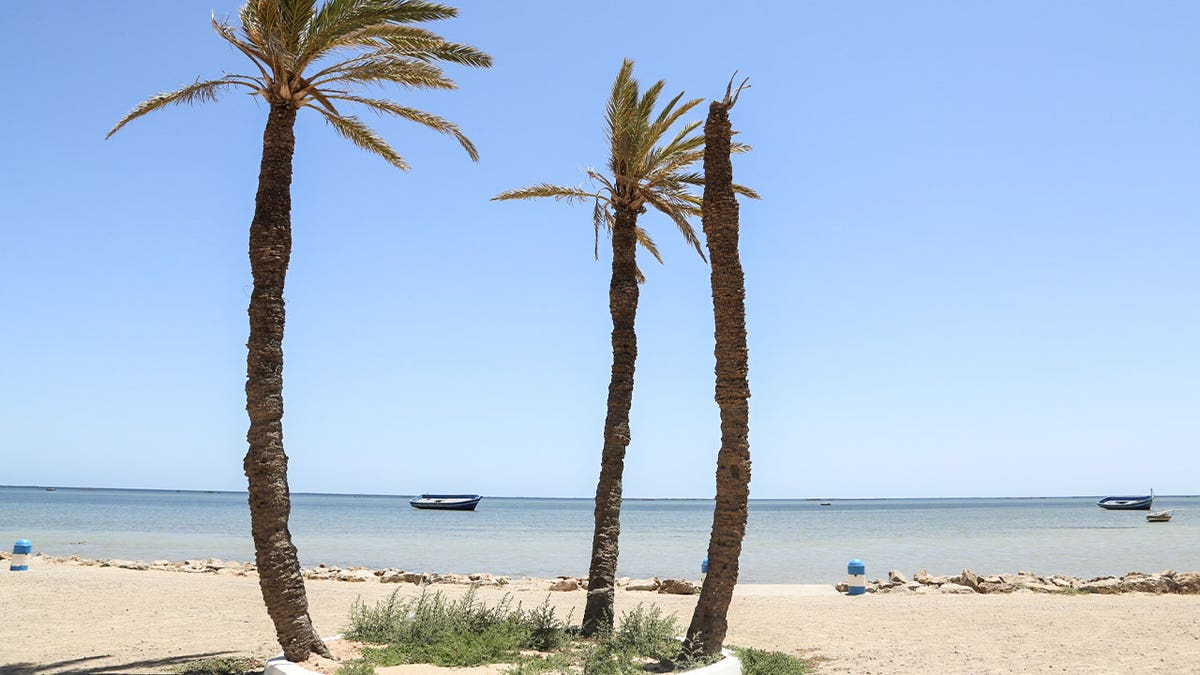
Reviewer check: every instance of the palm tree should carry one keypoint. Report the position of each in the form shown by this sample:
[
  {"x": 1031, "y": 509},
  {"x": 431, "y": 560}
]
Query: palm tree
[
  {"x": 307, "y": 56},
  {"x": 720, "y": 220},
  {"x": 647, "y": 168}
]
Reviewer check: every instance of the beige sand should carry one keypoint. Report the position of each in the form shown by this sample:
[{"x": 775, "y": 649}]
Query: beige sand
[{"x": 63, "y": 618}]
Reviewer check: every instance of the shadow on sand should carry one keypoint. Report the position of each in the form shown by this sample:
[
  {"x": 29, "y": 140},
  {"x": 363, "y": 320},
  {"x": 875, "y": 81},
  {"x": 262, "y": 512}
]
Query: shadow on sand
[{"x": 87, "y": 665}]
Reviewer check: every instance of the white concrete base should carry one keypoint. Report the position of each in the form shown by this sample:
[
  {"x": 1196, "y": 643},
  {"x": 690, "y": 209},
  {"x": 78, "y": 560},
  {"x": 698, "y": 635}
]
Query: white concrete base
[{"x": 730, "y": 665}]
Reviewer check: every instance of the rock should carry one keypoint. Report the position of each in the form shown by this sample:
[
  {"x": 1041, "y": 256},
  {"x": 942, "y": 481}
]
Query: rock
[
  {"x": 643, "y": 585},
  {"x": 356, "y": 576},
  {"x": 565, "y": 585},
  {"x": 1187, "y": 582},
  {"x": 392, "y": 577},
  {"x": 481, "y": 578},
  {"x": 997, "y": 587},
  {"x": 130, "y": 564},
  {"x": 923, "y": 577},
  {"x": 968, "y": 579},
  {"x": 622, "y": 582},
  {"x": 677, "y": 587},
  {"x": 958, "y": 589},
  {"x": 448, "y": 579},
  {"x": 1102, "y": 585},
  {"x": 1152, "y": 583},
  {"x": 841, "y": 587},
  {"x": 896, "y": 577}
]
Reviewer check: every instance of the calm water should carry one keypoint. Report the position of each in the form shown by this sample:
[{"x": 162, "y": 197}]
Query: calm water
[{"x": 788, "y": 541}]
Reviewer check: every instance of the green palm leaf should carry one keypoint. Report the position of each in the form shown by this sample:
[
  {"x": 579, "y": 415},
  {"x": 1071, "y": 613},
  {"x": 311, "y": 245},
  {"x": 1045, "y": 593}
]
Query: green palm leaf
[
  {"x": 197, "y": 92},
  {"x": 421, "y": 117},
  {"x": 649, "y": 165},
  {"x": 364, "y": 137},
  {"x": 359, "y": 43}
]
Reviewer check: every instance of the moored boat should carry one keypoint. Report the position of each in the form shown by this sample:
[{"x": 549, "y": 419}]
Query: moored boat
[
  {"x": 445, "y": 502},
  {"x": 1159, "y": 516},
  {"x": 1127, "y": 503}
]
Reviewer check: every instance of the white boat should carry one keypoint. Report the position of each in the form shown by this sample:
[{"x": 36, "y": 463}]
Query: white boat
[
  {"x": 1160, "y": 516},
  {"x": 445, "y": 502}
]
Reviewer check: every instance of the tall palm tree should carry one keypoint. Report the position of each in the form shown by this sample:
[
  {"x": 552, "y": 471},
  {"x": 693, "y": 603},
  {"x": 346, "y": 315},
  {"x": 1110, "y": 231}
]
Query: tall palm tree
[
  {"x": 648, "y": 167},
  {"x": 720, "y": 221},
  {"x": 308, "y": 56}
]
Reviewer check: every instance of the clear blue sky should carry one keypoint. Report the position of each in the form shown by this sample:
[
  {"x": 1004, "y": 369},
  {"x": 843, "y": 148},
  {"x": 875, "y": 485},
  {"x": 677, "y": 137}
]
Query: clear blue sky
[{"x": 973, "y": 272}]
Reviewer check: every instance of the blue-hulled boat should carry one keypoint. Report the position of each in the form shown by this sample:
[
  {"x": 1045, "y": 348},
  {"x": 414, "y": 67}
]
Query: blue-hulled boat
[
  {"x": 1135, "y": 503},
  {"x": 446, "y": 502}
]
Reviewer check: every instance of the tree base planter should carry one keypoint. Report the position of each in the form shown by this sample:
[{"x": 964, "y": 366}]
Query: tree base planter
[{"x": 729, "y": 665}]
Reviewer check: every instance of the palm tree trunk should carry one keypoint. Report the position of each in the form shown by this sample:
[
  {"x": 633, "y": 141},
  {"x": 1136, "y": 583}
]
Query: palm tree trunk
[
  {"x": 622, "y": 304},
  {"x": 266, "y": 464},
  {"x": 707, "y": 630}
]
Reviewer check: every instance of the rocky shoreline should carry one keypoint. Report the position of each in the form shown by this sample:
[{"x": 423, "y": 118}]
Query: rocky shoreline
[
  {"x": 968, "y": 582},
  {"x": 922, "y": 582},
  {"x": 358, "y": 574}
]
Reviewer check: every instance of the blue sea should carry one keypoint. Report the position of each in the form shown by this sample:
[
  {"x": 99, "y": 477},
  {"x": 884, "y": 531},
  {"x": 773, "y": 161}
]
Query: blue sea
[{"x": 788, "y": 541}]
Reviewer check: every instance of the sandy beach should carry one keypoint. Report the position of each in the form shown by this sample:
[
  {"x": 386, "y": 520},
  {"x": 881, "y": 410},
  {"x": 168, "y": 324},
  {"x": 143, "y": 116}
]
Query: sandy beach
[{"x": 61, "y": 618}]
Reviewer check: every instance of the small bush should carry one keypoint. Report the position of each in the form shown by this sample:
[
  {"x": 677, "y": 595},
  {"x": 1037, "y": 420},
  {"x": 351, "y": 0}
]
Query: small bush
[
  {"x": 357, "y": 667},
  {"x": 444, "y": 632},
  {"x": 760, "y": 662},
  {"x": 464, "y": 632},
  {"x": 549, "y": 632},
  {"x": 218, "y": 666},
  {"x": 647, "y": 633}
]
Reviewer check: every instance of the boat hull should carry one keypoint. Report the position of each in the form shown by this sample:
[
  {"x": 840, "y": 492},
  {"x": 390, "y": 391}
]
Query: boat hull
[
  {"x": 1140, "y": 503},
  {"x": 445, "y": 502}
]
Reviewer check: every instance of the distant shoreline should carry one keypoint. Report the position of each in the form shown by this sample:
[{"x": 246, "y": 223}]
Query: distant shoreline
[{"x": 53, "y": 488}]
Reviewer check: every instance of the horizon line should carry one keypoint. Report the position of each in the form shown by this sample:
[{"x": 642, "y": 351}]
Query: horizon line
[{"x": 632, "y": 499}]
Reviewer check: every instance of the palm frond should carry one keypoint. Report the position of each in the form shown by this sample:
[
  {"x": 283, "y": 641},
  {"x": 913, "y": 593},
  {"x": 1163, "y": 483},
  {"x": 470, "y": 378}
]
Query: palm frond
[
  {"x": 421, "y": 117},
  {"x": 644, "y": 240},
  {"x": 541, "y": 190},
  {"x": 384, "y": 67},
  {"x": 601, "y": 217},
  {"x": 679, "y": 213},
  {"x": 364, "y": 137},
  {"x": 198, "y": 92},
  {"x": 414, "y": 42},
  {"x": 249, "y": 49},
  {"x": 745, "y": 191},
  {"x": 338, "y": 22}
]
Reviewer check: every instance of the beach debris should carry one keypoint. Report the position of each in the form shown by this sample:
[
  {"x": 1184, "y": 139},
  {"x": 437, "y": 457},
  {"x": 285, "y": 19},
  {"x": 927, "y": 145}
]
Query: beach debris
[
  {"x": 678, "y": 587},
  {"x": 923, "y": 582},
  {"x": 565, "y": 584}
]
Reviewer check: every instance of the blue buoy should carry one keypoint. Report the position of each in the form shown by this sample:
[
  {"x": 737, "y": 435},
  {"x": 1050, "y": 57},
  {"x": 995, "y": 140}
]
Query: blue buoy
[
  {"x": 20, "y": 557},
  {"x": 703, "y": 569},
  {"x": 857, "y": 581}
]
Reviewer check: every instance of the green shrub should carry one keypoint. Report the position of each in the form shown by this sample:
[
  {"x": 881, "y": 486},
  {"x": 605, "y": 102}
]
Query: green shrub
[
  {"x": 218, "y": 666},
  {"x": 357, "y": 667},
  {"x": 760, "y": 662},
  {"x": 444, "y": 632},
  {"x": 465, "y": 632}
]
